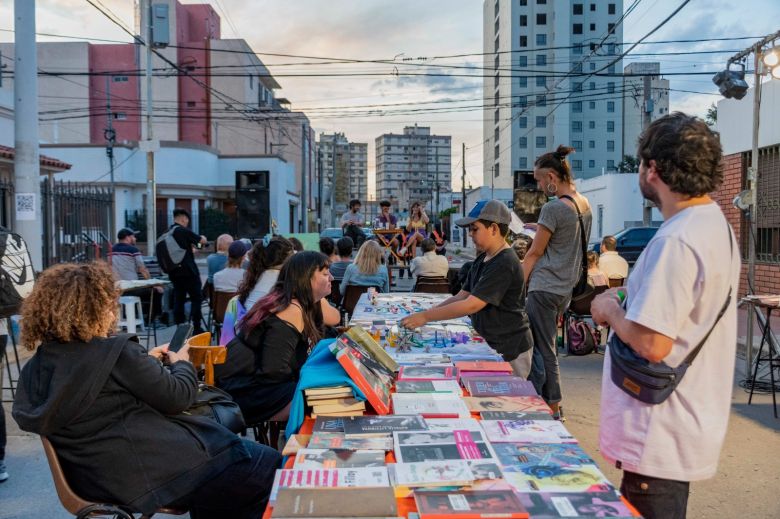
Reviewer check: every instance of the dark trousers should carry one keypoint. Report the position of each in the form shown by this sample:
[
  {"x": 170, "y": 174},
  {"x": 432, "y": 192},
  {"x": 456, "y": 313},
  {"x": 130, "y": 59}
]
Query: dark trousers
[
  {"x": 356, "y": 233},
  {"x": 241, "y": 491},
  {"x": 543, "y": 309},
  {"x": 656, "y": 498},
  {"x": 3, "y": 342},
  {"x": 187, "y": 285}
]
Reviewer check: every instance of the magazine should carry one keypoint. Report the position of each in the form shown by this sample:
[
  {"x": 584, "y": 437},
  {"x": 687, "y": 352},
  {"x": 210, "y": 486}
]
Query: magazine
[
  {"x": 525, "y": 456},
  {"x": 579, "y": 504},
  {"x": 338, "y": 458},
  {"x": 533, "y": 404},
  {"x": 498, "y": 386},
  {"x": 332, "y": 478},
  {"x": 432, "y": 473},
  {"x": 546, "y": 431},
  {"x": 552, "y": 478},
  {"x": 366, "y": 426}
]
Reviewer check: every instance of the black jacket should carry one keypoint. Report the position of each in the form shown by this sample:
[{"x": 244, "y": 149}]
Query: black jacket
[{"x": 108, "y": 408}]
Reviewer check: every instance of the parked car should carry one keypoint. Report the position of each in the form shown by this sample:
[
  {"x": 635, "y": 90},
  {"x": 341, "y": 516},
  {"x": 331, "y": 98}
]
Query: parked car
[
  {"x": 332, "y": 232},
  {"x": 631, "y": 242}
]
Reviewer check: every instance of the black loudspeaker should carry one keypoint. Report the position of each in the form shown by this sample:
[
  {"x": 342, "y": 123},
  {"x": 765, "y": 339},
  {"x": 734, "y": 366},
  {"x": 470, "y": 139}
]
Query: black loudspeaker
[{"x": 253, "y": 204}]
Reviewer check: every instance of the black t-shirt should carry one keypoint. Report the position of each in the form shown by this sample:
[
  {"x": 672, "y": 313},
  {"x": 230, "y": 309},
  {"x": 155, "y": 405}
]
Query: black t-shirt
[
  {"x": 186, "y": 239},
  {"x": 503, "y": 322}
]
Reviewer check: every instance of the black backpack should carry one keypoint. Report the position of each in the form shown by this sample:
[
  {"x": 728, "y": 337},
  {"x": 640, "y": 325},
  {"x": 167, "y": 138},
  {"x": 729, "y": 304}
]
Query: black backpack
[
  {"x": 17, "y": 276},
  {"x": 168, "y": 251}
]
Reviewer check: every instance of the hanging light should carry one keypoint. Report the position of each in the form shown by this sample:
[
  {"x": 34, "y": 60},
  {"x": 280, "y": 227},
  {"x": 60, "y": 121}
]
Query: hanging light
[
  {"x": 771, "y": 57},
  {"x": 731, "y": 83}
]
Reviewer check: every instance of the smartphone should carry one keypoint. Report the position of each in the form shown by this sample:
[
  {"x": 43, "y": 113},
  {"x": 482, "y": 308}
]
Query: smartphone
[{"x": 180, "y": 336}]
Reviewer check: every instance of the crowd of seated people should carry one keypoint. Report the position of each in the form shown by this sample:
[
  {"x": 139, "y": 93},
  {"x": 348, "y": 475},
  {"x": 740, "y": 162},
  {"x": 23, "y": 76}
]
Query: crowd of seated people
[{"x": 367, "y": 270}]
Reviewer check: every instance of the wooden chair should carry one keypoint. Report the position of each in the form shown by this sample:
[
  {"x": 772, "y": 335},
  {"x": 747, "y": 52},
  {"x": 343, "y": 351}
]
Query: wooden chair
[
  {"x": 351, "y": 296},
  {"x": 616, "y": 282},
  {"x": 79, "y": 507},
  {"x": 221, "y": 300},
  {"x": 203, "y": 354},
  {"x": 432, "y": 285}
]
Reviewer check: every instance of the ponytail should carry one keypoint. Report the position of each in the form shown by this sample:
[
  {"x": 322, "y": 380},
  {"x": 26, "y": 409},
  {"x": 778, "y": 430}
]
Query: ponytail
[{"x": 556, "y": 161}]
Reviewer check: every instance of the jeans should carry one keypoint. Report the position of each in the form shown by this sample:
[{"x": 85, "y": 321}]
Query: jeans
[
  {"x": 356, "y": 233},
  {"x": 543, "y": 309},
  {"x": 184, "y": 285},
  {"x": 656, "y": 498},
  {"x": 239, "y": 492}
]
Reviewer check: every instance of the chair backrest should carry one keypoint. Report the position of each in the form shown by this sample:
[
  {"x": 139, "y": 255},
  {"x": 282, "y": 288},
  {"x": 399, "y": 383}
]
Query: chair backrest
[
  {"x": 221, "y": 300},
  {"x": 69, "y": 499},
  {"x": 202, "y": 339},
  {"x": 207, "y": 357},
  {"x": 582, "y": 307},
  {"x": 351, "y": 296},
  {"x": 616, "y": 282},
  {"x": 432, "y": 285},
  {"x": 335, "y": 292}
]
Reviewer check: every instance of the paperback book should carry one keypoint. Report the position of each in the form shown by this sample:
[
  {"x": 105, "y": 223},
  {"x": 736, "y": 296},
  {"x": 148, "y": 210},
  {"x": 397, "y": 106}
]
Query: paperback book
[
  {"x": 467, "y": 504},
  {"x": 322, "y": 503},
  {"x": 552, "y": 478},
  {"x": 374, "y": 386},
  {"x": 498, "y": 386},
  {"x": 490, "y": 367},
  {"x": 362, "y": 337},
  {"x": 581, "y": 504},
  {"x": 367, "y": 426},
  {"x": 453, "y": 424},
  {"x": 531, "y": 404},
  {"x": 514, "y": 415},
  {"x": 346, "y": 405},
  {"x": 528, "y": 456},
  {"x": 441, "y": 445},
  {"x": 427, "y": 373},
  {"x": 428, "y": 386},
  {"x": 338, "y": 458},
  {"x": 315, "y": 393},
  {"x": 432, "y": 473},
  {"x": 542, "y": 431},
  {"x": 329, "y": 478},
  {"x": 340, "y": 441},
  {"x": 430, "y": 405},
  {"x": 329, "y": 424}
]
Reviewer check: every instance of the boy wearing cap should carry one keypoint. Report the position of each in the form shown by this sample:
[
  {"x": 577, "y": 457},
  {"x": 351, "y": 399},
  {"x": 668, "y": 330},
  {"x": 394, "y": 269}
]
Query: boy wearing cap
[
  {"x": 125, "y": 258},
  {"x": 228, "y": 279},
  {"x": 493, "y": 292}
]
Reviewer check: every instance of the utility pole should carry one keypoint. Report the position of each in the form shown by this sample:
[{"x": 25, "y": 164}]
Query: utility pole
[
  {"x": 27, "y": 166},
  {"x": 333, "y": 184},
  {"x": 753, "y": 223},
  {"x": 319, "y": 187},
  {"x": 647, "y": 112},
  {"x": 463, "y": 188},
  {"x": 151, "y": 183},
  {"x": 304, "y": 178},
  {"x": 110, "y": 136}
]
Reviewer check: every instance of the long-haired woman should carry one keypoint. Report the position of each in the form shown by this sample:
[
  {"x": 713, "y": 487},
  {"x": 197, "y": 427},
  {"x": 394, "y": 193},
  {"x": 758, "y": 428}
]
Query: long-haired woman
[
  {"x": 367, "y": 270},
  {"x": 116, "y": 417},
  {"x": 552, "y": 266},
  {"x": 415, "y": 228},
  {"x": 274, "y": 338},
  {"x": 265, "y": 263}
]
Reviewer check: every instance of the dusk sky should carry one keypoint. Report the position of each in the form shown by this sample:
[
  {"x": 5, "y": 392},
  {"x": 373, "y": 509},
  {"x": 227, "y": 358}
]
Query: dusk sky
[{"x": 387, "y": 30}]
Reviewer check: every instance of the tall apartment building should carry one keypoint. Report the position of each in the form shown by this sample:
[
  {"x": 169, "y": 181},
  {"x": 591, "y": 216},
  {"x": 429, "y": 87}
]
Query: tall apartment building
[
  {"x": 645, "y": 99},
  {"x": 413, "y": 167},
  {"x": 543, "y": 56},
  {"x": 343, "y": 173}
]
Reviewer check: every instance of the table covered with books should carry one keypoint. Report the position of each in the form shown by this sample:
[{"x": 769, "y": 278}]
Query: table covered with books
[{"x": 431, "y": 424}]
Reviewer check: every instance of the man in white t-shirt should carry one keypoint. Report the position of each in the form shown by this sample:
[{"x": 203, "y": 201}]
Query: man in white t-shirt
[
  {"x": 674, "y": 294},
  {"x": 429, "y": 264},
  {"x": 610, "y": 262}
]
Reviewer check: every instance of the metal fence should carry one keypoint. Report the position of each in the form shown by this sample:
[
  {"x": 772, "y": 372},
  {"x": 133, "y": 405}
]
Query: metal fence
[{"x": 76, "y": 220}]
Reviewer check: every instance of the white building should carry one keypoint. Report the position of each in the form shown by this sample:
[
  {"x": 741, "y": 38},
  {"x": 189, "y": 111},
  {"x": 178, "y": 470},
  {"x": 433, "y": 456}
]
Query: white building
[
  {"x": 541, "y": 54},
  {"x": 645, "y": 97},
  {"x": 343, "y": 165},
  {"x": 413, "y": 167}
]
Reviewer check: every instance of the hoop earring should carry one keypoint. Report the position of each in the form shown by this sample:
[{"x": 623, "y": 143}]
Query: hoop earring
[{"x": 551, "y": 192}]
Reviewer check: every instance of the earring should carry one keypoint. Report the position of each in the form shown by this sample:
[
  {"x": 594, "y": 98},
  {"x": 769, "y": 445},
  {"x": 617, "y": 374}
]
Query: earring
[{"x": 552, "y": 191}]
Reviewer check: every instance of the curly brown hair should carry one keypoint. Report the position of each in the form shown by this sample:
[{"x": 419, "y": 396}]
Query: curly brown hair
[{"x": 71, "y": 302}]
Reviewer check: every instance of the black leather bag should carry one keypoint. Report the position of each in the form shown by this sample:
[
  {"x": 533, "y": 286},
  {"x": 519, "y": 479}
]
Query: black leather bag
[
  {"x": 582, "y": 289},
  {"x": 219, "y": 406}
]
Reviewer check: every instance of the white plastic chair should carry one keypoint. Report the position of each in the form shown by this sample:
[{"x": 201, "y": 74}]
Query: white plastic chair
[{"x": 131, "y": 315}]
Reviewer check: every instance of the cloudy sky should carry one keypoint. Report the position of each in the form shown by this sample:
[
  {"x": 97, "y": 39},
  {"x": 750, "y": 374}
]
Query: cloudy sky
[{"x": 415, "y": 32}]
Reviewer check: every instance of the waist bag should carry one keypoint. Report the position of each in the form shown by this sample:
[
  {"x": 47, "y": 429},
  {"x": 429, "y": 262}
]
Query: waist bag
[{"x": 217, "y": 405}]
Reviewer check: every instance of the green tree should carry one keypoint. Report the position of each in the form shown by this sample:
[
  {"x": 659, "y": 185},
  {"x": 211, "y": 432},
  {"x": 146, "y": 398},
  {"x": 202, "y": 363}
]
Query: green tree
[
  {"x": 629, "y": 164},
  {"x": 711, "y": 118}
]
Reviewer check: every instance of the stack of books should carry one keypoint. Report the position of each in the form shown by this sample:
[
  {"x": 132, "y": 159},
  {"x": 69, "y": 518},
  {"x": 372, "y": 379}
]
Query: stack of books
[{"x": 333, "y": 401}]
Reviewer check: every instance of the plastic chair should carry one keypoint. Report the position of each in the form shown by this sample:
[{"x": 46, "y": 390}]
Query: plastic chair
[
  {"x": 221, "y": 300},
  {"x": 351, "y": 296},
  {"x": 131, "y": 314},
  {"x": 203, "y": 354},
  {"x": 79, "y": 507},
  {"x": 432, "y": 285}
]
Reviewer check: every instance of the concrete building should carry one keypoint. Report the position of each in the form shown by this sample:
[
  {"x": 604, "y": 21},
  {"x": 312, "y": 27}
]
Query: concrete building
[
  {"x": 542, "y": 56},
  {"x": 413, "y": 167},
  {"x": 224, "y": 99},
  {"x": 735, "y": 123},
  {"x": 645, "y": 99},
  {"x": 343, "y": 174}
]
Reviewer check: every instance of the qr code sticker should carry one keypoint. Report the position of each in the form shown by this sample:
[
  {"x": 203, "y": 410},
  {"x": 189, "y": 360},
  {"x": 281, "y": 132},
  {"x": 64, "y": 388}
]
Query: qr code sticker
[
  {"x": 25, "y": 203},
  {"x": 458, "y": 502}
]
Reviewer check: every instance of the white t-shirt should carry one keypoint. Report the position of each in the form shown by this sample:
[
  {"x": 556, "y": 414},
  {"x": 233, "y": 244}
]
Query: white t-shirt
[
  {"x": 228, "y": 279},
  {"x": 262, "y": 287},
  {"x": 677, "y": 288},
  {"x": 613, "y": 265}
]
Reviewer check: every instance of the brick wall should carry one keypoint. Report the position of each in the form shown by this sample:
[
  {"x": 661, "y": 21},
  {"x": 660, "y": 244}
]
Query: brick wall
[{"x": 734, "y": 169}]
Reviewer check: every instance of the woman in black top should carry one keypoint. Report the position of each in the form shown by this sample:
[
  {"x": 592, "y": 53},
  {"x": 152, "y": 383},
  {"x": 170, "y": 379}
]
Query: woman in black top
[
  {"x": 274, "y": 338},
  {"x": 116, "y": 416}
]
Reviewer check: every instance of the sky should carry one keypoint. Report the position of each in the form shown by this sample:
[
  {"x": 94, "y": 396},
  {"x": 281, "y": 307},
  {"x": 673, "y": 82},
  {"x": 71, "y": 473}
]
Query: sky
[{"x": 415, "y": 32}]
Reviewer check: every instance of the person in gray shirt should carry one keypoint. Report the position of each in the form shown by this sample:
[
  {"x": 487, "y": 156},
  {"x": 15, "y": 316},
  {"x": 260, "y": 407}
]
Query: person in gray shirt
[{"x": 552, "y": 266}]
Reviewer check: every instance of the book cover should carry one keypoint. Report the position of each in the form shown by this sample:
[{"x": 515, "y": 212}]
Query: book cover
[
  {"x": 452, "y": 424},
  {"x": 467, "y": 504},
  {"x": 340, "y": 441},
  {"x": 341, "y": 404},
  {"x": 335, "y": 502},
  {"x": 366, "y": 426},
  {"x": 428, "y": 386},
  {"x": 338, "y": 458},
  {"x": 485, "y": 469},
  {"x": 330, "y": 478},
  {"x": 532, "y": 404},
  {"x": 433, "y": 473},
  {"x": 430, "y": 405},
  {"x": 362, "y": 337},
  {"x": 513, "y": 415},
  {"x": 440, "y": 445},
  {"x": 329, "y": 424},
  {"x": 581, "y": 504},
  {"x": 295, "y": 443},
  {"x": 373, "y": 386},
  {"x": 341, "y": 414},
  {"x": 541, "y": 431},
  {"x": 427, "y": 373},
  {"x": 554, "y": 478},
  {"x": 498, "y": 386},
  {"x": 478, "y": 365},
  {"x": 367, "y": 358},
  {"x": 526, "y": 456}
]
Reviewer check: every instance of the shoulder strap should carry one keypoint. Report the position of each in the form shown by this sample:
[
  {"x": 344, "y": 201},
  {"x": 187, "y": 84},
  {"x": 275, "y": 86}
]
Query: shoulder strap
[{"x": 582, "y": 232}]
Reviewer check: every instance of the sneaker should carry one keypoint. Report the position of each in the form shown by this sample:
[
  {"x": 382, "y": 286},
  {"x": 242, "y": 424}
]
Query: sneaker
[
  {"x": 3, "y": 471},
  {"x": 558, "y": 415}
]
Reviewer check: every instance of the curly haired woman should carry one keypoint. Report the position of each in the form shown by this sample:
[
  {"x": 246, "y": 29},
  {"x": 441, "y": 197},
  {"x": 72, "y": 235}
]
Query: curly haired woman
[{"x": 114, "y": 414}]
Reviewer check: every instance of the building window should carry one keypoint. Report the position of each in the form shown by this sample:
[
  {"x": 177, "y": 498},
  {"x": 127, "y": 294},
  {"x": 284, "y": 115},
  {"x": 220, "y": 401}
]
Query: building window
[
  {"x": 541, "y": 2},
  {"x": 578, "y": 68},
  {"x": 591, "y": 163},
  {"x": 576, "y": 28},
  {"x": 495, "y": 101},
  {"x": 524, "y": 41},
  {"x": 593, "y": 8},
  {"x": 611, "y": 49},
  {"x": 577, "y": 48},
  {"x": 496, "y": 44},
  {"x": 541, "y": 121},
  {"x": 592, "y": 145},
  {"x": 522, "y": 61},
  {"x": 611, "y": 126},
  {"x": 522, "y": 101},
  {"x": 592, "y": 27},
  {"x": 577, "y": 9},
  {"x": 576, "y": 107},
  {"x": 541, "y": 60},
  {"x": 120, "y": 116},
  {"x": 592, "y": 85},
  {"x": 523, "y": 142},
  {"x": 523, "y": 3},
  {"x": 592, "y": 66},
  {"x": 610, "y": 165},
  {"x": 611, "y": 87},
  {"x": 611, "y": 69},
  {"x": 577, "y": 145},
  {"x": 495, "y": 83},
  {"x": 540, "y": 81},
  {"x": 576, "y": 126},
  {"x": 611, "y": 28},
  {"x": 610, "y": 106},
  {"x": 541, "y": 19},
  {"x": 610, "y": 8},
  {"x": 523, "y": 20},
  {"x": 541, "y": 141},
  {"x": 522, "y": 81},
  {"x": 541, "y": 39},
  {"x": 610, "y": 145},
  {"x": 578, "y": 86},
  {"x": 541, "y": 100},
  {"x": 591, "y": 125},
  {"x": 495, "y": 115},
  {"x": 523, "y": 122},
  {"x": 495, "y": 135},
  {"x": 592, "y": 105},
  {"x": 576, "y": 164},
  {"x": 190, "y": 104},
  {"x": 496, "y": 26},
  {"x": 523, "y": 162}
]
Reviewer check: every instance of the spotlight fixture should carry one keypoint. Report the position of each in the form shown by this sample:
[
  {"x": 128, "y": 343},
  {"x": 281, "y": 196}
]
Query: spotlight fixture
[
  {"x": 731, "y": 83},
  {"x": 771, "y": 57},
  {"x": 776, "y": 72}
]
